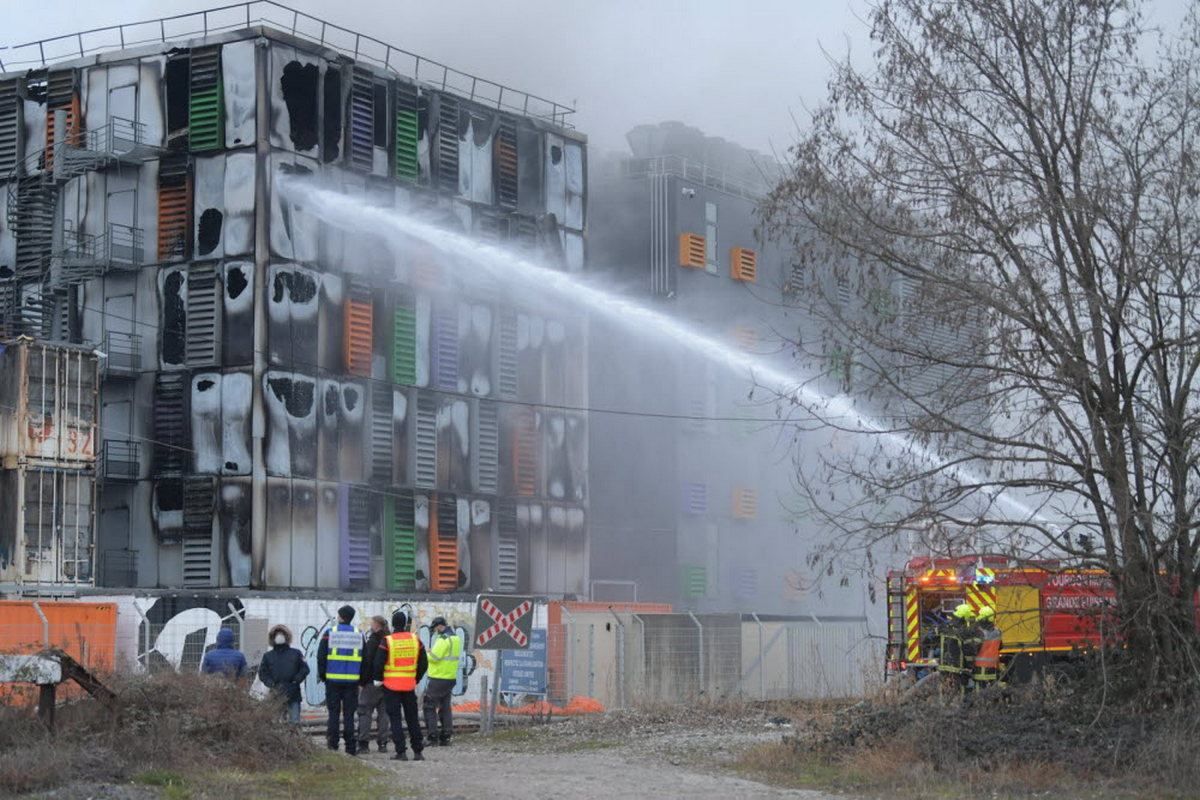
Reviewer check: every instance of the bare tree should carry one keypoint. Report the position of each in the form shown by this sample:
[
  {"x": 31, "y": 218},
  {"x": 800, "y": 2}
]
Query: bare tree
[{"x": 997, "y": 227}]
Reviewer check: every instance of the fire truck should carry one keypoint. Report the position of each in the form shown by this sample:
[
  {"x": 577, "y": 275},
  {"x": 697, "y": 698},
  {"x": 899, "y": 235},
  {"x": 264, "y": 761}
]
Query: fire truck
[{"x": 1044, "y": 612}]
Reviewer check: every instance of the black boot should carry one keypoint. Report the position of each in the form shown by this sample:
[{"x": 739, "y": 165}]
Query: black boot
[
  {"x": 417, "y": 756},
  {"x": 400, "y": 756},
  {"x": 382, "y": 747}
]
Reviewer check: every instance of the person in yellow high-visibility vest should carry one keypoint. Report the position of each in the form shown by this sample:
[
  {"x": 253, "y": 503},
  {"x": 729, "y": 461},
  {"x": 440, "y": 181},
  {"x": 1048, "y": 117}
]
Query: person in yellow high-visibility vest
[
  {"x": 445, "y": 648},
  {"x": 400, "y": 662}
]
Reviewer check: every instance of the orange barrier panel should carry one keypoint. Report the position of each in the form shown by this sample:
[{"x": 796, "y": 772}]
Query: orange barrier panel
[
  {"x": 540, "y": 708},
  {"x": 86, "y": 631}
]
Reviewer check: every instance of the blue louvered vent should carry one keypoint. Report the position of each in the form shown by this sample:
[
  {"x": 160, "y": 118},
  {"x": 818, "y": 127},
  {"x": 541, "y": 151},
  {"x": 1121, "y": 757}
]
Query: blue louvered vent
[
  {"x": 695, "y": 498},
  {"x": 445, "y": 349},
  {"x": 362, "y": 120}
]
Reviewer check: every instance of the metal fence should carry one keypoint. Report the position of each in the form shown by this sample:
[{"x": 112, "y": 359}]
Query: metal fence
[{"x": 624, "y": 659}]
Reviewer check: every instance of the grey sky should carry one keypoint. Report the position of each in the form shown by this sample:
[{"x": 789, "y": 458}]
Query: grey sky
[{"x": 733, "y": 69}]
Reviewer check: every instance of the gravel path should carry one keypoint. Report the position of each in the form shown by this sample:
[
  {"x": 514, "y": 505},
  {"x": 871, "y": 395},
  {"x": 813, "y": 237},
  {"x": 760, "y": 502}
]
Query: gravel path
[{"x": 617, "y": 756}]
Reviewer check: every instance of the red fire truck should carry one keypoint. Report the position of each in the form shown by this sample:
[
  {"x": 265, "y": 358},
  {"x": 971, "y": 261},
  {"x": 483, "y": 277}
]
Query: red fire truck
[{"x": 1043, "y": 611}]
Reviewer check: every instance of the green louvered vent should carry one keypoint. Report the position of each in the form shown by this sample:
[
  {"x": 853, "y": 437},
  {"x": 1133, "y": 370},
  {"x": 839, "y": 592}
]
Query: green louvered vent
[
  {"x": 404, "y": 347},
  {"x": 206, "y": 117},
  {"x": 695, "y": 581},
  {"x": 400, "y": 537},
  {"x": 406, "y": 132}
]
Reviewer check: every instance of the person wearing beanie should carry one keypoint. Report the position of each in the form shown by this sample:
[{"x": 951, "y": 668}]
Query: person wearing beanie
[
  {"x": 339, "y": 667},
  {"x": 400, "y": 663},
  {"x": 445, "y": 648},
  {"x": 370, "y": 696}
]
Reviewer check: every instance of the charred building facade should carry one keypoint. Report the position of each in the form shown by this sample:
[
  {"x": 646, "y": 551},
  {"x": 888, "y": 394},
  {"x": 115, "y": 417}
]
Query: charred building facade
[{"x": 281, "y": 404}]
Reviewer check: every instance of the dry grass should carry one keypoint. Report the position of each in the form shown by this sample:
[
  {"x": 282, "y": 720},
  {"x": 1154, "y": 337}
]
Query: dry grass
[
  {"x": 1035, "y": 743},
  {"x": 160, "y": 723}
]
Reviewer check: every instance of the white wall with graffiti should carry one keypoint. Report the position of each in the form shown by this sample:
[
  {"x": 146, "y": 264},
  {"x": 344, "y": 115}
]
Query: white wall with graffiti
[{"x": 174, "y": 631}]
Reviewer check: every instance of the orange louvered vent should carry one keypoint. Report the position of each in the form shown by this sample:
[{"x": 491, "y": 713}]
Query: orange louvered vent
[
  {"x": 745, "y": 503},
  {"x": 525, "y": 455},
  {"x": 743, "y": 264},
  {"x": 746, "y": 338},
  {"x": 74, "y": 134},
  {"x": 691, "y": 250},
  {"x": 174, "y": 208},
  {"x": 443, "y": 545},
  {"x": 357, "y": 337}
]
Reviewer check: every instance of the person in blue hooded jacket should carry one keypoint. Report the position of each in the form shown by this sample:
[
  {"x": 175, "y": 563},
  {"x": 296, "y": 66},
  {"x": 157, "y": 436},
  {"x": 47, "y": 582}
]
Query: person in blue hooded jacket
[{"x": 224, "y": 659}]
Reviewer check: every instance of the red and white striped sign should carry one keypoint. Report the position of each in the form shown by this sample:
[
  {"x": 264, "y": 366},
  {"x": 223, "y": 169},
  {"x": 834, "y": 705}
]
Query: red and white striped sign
[{"x": 503, "y": 622}]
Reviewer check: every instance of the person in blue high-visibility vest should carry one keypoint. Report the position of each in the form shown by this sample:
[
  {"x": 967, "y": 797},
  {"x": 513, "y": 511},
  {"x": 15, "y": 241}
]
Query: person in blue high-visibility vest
[{"x": 339, "y": 664}]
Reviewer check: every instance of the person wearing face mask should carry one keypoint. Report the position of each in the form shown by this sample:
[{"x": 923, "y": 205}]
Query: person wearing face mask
[{"x": 282, "y": 670}]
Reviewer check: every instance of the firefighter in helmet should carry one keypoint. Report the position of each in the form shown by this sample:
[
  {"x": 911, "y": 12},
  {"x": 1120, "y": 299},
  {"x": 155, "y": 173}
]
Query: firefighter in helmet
[
  {"x": 987, "y": 657},
  {"x": 956, "y": 647}
]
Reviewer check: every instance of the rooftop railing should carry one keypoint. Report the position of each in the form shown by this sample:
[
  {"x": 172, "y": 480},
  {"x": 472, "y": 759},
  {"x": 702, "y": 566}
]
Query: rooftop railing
[
  {"x": 220, "y": 19},
  {"x": 696, "y": 172}
]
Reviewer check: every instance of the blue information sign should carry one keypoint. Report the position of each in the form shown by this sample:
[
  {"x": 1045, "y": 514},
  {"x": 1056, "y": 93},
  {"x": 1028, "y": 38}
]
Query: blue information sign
[{"x": 524, "y": 671}]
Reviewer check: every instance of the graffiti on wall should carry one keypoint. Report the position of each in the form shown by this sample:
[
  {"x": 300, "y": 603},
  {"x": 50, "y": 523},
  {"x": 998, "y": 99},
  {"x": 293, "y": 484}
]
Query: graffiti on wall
[{"x": 174, "y": 632}]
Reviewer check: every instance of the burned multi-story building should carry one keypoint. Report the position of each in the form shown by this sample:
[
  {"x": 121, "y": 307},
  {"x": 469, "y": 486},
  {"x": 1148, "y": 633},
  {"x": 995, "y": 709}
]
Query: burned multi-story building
[
  {"x": 710, "y": 516},
  {"x": 282, "y": 404}
]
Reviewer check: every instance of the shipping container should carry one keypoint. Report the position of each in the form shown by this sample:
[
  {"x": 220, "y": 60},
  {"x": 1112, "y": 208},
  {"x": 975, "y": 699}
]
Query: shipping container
[
  {"x": 47, "y": 526},
  {"x": 48, "y": 404}
]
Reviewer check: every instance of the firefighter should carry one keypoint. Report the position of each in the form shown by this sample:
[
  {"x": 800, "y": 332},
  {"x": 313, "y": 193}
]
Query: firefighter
[
  {"x": 955, "y": 643},
  {"x": 987, "y": 658}
]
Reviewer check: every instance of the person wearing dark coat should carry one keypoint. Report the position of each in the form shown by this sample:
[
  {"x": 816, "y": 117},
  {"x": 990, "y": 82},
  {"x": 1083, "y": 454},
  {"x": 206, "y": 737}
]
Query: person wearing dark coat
[
  {"x": 224, "y": 659},
  {"x": 370, "y": 696},
  {"x": 339, "y": 667},
  {"x": 283, "y": 669}
]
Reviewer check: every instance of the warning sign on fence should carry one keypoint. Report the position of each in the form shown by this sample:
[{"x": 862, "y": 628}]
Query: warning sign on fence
[{"x": 524, "y": 671}]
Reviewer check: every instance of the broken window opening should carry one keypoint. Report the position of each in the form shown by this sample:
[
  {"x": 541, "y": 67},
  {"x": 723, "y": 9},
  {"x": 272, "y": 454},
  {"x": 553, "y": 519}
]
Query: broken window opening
[
  {"x": 236, "y": 283},
  {"x": 381, "y": 116},
  {"x": 333, "y": 115},
  {"x": 178, "y": 97},
  {"x": 174, "y": 323},
  {"x": 299, "y": 86},
  {"x": 210, "y": 231}
]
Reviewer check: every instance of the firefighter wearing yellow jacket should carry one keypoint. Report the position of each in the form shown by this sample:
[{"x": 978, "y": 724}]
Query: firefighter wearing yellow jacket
[{"x": 445, "y": 648}]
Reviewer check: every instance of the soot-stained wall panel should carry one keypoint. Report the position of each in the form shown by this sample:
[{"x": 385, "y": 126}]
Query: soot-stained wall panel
[
  {"x": 238, "y": 232},
  {"x": 295, "y": 231},
  {"x": 352, "y": 431},
  {"x": 422, "y": 508},
  {"x": 233, "y": 515},
  {"x": 454, "y": 444},
  {"x": 293, "y": 330},
  {"x": 172, "y": 293},
  {"x": 237, "y": 77},
  {"x": 328, "y": 541},
  {"x": 475, "y": 157},
  {"x": 330, "y": 354},
  {"x": 531, "y": 154},
  {"x": 209, "y": 198},
  {"x": 303, "y": 520},
  {"x": 566, "y": 457},
  {"x": 206, "y": 422},
  {"x": 555, "y": 175},
  {"x": 277, "y": 566},
  {"x": 574, "y": 217},
  {"x": 336, "y": 246},
  {"x": 328, "y": 432},
  {"x": 224, "y": 205},
  {"x": 236, "y": 396},
  {"x": 475, "y": 349},
  {"x": 291, "y": 406},
  {"x": 295, "y": 81},
  {"x": 400, "y": 437},
  {"x": 424, "y": 319},
  {"x": 531, "y": 337},
  {"x": 34, "y": 116},
  {"x": 237, "y": 284}
]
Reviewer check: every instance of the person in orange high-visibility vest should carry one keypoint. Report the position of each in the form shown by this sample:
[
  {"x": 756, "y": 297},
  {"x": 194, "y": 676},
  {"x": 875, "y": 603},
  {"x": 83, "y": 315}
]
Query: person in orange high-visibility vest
[{"x": 400, "y": 663}]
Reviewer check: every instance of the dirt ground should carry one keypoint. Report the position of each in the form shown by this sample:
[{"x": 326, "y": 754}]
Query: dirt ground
[{"x": 634, "y": 755}]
